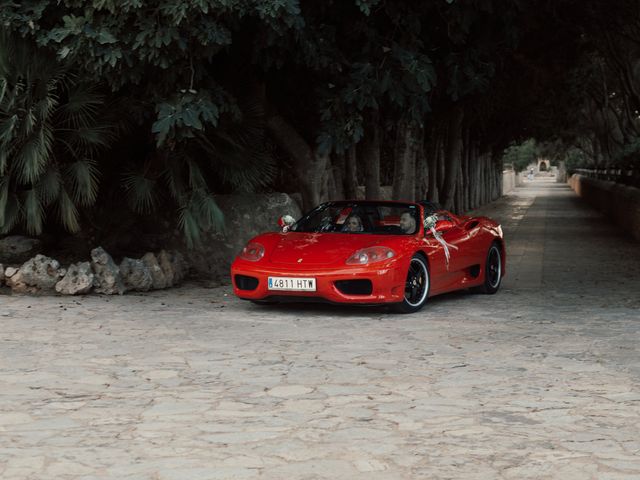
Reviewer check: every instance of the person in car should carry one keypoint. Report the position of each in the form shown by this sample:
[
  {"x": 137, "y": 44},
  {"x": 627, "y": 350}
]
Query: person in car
[
  {"x": 407, "y": 223},
  {"x": 353, "y": 223}
]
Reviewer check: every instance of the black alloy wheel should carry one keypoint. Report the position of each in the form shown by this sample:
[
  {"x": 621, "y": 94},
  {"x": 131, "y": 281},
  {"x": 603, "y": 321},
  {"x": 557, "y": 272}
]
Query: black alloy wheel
[
  {"x": 492, "y": 271},
  {"x": 417, "y": 285}
]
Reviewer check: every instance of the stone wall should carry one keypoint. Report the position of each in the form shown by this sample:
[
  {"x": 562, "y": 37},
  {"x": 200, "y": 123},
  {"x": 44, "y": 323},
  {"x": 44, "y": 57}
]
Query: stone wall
[
  {"x": 619, "y": 203},
  {"x": 510, "y": 180},
  {"x": 245, "y": 216},
  {"x": 562, "y": 173}
]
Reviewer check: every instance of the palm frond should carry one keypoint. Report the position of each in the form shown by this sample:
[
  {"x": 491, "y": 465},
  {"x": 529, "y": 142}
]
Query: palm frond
[
  {"x": 45, "y": 107},
  {"x": 196, "y": 178},
  {"x": 189, "y": 224},
  {"x": 199, "y": 213},
  {"x": 210, "y": 215},
  {"x": 9, "y": 206},
  {"x": 241, "y": 163},
  {"x": 83, "y": 176},
  {"x": 82, "y": 106},
  {"x": 77, "y": 121},
  {"x": 140, "y": 191},
  {"x": 3, "y": 88},
  {"x": 31, "y": 158},
  {"x": 90, "y": 138},
  {"x": 68, "y": 212},
  {"x": 258, "y": 172},
  {"x": 173, "y": 175},
  {"x": 7, "y": 126},
  {"x": 49, "y": 184},
  {"x": 50, "y": 129},
  {"x": 28, "y": 123},
  {"x": 33, "y": 212},
  {"x": 4, "y": 198}
]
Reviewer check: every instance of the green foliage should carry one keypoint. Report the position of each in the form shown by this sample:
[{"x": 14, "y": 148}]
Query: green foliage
[
  {"x": 183, "y": 180},
  {"x": 366, "y": 6},
  {"x": 165, "y": 48},
  {"x": 521, "y": 155},
  {"x": 576, "y": 158},
  {"x": 159, "y": 56},
  {"x": 629, "y": 153},
  {"x": 199, "y": 210},
  {"x": 179, "y": 172},
  {"x": 178, "y": 119},
  {"x": 560, "y": 72},
  {"x": 50, "y": 132},
  {"x": 347, "y": 58}
]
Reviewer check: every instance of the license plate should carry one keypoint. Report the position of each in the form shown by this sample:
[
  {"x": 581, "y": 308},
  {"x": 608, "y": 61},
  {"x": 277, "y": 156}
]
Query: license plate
[{"x": 292, "y": 284}]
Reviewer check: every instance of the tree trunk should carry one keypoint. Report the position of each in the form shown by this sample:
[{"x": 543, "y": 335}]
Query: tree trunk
[
  {"x": 483, "y": 179},
  {"x": 326, "y": 178},
  {"x": 417, "y": 144},
  {"x": 337, "y": 169},
  {"x": 309, "y": 166},
  {"x": 433, "y": 161},
  {"x": 473, "y": 177},
  {"x": 487, "y": 179},
  {"x": 479, "y": 169},
  {"x": 351, "y": 177},
  {"x": 492, "y": 192},
  {"x": 457, "y": 197},
  {"x": 332, "y": 191},
  {"x": 405, "y": 151},
  {"x": 499, "y": 174},
  {"x": 442, "y": 162},
  {"x": 453, "y": 157},
  {"x": 475, "y": 170},
  {"x": 466, "y": 179},
  {"x": 422, "y": 171},
  {"x": 371, "y": 155}
]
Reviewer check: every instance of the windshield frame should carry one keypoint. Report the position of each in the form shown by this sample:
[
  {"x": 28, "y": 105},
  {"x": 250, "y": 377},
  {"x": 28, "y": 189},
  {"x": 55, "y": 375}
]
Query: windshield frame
[{"x": 361, "y": 203}]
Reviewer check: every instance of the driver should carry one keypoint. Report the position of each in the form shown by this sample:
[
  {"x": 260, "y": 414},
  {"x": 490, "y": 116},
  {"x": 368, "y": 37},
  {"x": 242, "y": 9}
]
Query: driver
[
  {"x": 407, "y": 222},
  {"x": 353, "y": 223}
]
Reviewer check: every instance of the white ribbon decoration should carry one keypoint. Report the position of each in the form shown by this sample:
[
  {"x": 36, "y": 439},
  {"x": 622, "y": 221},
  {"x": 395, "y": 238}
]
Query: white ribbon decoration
[
  {"x": 438, "y": 236},
  {"x": 430, "y": 223}
]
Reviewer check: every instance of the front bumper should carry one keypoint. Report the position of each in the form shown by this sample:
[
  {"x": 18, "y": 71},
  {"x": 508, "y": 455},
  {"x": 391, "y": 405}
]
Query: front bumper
[{"x": 387, "y": 282}]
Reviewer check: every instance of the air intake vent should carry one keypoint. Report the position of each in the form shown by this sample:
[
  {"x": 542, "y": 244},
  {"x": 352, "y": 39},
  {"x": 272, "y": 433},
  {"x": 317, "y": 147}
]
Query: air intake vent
[
  {"x": 354, "y": 287},
  {"x": 244, "y": 282}
]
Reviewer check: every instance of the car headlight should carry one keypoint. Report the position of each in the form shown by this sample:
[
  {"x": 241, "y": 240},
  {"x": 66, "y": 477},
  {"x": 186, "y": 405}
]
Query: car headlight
[
  {"x": 369, "y": 255},
  {"x": 252, "y": 252}
]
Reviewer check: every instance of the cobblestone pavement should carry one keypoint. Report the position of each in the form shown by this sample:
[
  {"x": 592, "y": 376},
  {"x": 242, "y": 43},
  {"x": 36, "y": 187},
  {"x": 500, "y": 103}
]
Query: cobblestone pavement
[{"x": 541, "y": 381}]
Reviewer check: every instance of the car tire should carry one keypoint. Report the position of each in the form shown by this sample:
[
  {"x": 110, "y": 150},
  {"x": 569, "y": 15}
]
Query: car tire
[
  {"x": 492, "y": 271},
  {"x": 417, "y": 286}
]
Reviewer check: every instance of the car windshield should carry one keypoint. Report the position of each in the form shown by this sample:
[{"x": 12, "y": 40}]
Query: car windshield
[{"x": 361, "y": 218}]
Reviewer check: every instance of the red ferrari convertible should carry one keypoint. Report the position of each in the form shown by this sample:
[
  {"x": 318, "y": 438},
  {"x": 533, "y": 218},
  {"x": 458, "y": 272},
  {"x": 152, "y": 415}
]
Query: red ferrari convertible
[{"x": 372, "y": 252}]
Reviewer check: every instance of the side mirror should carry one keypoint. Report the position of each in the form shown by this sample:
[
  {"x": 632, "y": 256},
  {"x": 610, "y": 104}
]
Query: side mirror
[
  {"x": 444, "y": 225},
  {"x": 440, "y": 225},
  {"x": 285, "y": 222}
]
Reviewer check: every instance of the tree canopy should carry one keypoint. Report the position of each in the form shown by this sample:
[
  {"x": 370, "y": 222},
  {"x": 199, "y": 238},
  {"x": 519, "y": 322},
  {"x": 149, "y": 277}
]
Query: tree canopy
[{"x": 217, "y": 96}]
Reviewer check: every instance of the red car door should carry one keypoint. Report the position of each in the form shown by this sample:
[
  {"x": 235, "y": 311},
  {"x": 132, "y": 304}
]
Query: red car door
[{"x": 448, "y": 274}]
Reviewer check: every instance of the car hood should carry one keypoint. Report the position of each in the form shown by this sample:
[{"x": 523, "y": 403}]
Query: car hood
[{"x": 327, "y": 249}]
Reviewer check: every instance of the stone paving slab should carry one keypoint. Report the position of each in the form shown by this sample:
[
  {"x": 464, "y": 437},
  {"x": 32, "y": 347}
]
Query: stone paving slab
[{"x": 541, "y": 381}]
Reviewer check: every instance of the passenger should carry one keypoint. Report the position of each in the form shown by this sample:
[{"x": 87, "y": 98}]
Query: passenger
[
  {"x": 407, "y": 223},
  {"x": 353, "y": 223}
]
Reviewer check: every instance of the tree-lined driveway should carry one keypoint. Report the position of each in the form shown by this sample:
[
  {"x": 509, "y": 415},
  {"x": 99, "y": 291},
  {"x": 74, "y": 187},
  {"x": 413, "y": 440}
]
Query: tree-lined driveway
[{"x": 539, "y": 381}]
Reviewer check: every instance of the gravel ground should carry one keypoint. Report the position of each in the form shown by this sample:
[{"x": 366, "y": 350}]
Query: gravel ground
[{"x": 540, "y": 381}]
